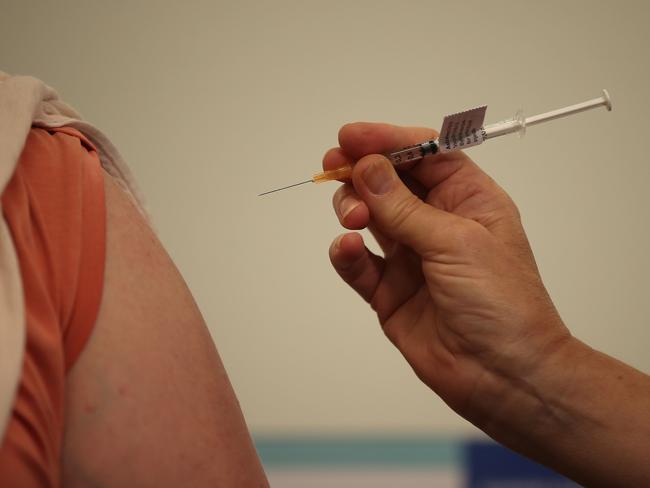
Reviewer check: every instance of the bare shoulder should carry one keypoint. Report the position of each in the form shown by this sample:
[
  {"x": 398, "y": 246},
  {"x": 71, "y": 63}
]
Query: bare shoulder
[{"x": 148, "y": 403}]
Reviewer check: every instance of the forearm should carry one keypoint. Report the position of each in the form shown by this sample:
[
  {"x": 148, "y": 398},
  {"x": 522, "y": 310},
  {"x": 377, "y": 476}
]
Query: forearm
[{"x": 580, "y": 412}]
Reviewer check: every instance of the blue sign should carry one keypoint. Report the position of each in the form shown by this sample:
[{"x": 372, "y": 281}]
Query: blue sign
[{"x": 489, "y": 465}]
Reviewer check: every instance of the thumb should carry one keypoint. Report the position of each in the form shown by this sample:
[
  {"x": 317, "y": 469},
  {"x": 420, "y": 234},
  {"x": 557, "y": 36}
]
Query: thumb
[{"x": 397, "y": 212}]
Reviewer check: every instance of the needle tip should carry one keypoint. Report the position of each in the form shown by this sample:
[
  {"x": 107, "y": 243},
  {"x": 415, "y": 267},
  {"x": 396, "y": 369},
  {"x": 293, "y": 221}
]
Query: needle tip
[{"x": 285, "y": 187}]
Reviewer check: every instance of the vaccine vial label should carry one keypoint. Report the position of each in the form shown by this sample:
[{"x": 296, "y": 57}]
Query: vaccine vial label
[{"x": 462, "y": 130}]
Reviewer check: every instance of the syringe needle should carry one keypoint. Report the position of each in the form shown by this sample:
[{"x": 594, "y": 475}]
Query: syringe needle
[
  {"x": 342, "y": 173},
  {"x": 285, "y": 187}
]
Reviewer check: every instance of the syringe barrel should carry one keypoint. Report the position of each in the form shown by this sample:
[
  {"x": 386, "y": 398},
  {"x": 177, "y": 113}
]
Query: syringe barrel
[
  {"x": 502, "y": 128},
  {"x": 413, "y": 153}
]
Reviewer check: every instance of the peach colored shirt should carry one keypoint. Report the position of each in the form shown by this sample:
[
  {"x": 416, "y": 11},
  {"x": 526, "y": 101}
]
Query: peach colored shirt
[{"x": 54, "y": 207}]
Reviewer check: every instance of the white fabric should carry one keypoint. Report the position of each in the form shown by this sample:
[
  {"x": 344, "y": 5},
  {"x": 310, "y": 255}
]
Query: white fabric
[{"x": 27, "y": 102}]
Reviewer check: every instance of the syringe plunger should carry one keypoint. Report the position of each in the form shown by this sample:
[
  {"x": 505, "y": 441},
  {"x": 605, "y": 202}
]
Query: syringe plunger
[{"x": 519, "y": 123}]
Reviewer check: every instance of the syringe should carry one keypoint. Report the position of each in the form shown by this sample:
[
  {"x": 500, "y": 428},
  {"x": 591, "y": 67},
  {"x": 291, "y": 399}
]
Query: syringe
[{"x": 461, "y": 131}]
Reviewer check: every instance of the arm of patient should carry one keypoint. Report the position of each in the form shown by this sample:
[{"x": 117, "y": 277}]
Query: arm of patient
[{"x": 149, "y": 403}]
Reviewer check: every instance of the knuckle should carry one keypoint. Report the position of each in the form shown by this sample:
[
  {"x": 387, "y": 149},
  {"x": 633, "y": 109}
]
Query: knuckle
[
  {"x": 403, "y": 210},
  {"x": 503, "y": 200},
  {"x": 511, "y": 207}
]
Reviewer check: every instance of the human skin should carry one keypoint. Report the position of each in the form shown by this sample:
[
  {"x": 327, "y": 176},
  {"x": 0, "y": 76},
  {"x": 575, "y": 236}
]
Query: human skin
[
  {"x": 148, "y": 402},
  {"x": 458, "y": 292}
]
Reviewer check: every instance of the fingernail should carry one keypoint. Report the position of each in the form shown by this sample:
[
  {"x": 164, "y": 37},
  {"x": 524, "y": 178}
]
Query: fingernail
[
  {"x": 347, "y": 205},
  {"x": 378, "y": 177},
  {"x": 337, "y": 242}
]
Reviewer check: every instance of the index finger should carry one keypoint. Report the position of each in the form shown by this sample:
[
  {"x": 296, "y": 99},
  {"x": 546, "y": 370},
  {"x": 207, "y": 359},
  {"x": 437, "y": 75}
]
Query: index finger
[
  {"x": 362, "y": 138},
  {"x": 359, "y": 139},
  {"x": 335, "y": 158}
]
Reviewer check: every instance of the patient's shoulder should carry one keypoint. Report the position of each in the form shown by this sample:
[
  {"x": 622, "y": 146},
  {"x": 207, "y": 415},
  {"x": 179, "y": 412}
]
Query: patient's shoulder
[{"x": 148, "y": 401}]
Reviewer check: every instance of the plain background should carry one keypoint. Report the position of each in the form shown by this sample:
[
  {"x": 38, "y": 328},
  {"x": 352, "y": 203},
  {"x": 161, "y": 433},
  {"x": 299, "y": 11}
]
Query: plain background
[{"x": 215, "y": 102}]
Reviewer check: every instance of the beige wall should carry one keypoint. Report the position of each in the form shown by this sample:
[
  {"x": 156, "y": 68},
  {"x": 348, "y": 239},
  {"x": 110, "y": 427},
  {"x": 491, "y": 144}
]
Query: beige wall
[{"x": 214, "y": 102}]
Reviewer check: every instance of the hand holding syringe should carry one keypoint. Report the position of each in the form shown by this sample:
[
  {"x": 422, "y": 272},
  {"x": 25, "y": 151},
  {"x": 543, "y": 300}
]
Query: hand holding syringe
[
  {"x": 455, "y": 287},
  {"x": 460, "y": 131}
]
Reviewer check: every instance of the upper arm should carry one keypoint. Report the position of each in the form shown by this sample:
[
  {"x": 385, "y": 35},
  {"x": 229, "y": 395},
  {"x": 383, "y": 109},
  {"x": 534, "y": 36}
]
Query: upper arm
[{"x": 148, "y": 402}]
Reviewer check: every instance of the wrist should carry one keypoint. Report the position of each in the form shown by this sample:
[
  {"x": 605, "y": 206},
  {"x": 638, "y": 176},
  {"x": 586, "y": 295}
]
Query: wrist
[
  {"x": 521, "y": 402},
  {"x": 576, "y": 408}
]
